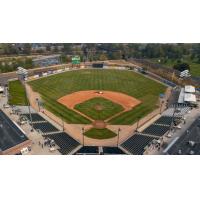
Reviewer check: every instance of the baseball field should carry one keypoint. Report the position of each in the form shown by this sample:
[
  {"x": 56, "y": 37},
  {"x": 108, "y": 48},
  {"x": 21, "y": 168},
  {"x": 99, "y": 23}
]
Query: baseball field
[{"x": 144, "y": 90}]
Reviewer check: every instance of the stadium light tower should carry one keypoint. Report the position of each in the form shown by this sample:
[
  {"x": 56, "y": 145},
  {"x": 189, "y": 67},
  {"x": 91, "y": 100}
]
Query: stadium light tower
[{"x": 22, "y": 76}]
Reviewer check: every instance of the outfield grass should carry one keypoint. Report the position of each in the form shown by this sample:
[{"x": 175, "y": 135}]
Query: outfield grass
[
  {"x": 108, "y": 108},
  {"x": 100, "y": 133},
  {"x": 17, "y": 94},
  {"x": 53, "y": 87}
]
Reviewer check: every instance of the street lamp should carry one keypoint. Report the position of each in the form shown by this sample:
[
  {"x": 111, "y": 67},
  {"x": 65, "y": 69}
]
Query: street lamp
[
  {"x": 138, "y": 124},
  {"x": 118, "y": 136},
  {"x": 63, "y": 126},
  {"x": 83, "y": 129},
  {"x": 38, "y": 104},
  {"x": 161, "y": 106}
]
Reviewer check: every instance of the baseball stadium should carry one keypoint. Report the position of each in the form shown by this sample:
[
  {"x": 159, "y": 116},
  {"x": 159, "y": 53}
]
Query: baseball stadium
[
  {"x": 93, "y": 110},
  {"x": 96, "y": 107}
]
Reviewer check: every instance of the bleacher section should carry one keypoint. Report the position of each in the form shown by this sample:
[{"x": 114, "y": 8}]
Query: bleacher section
[
  {"x": 35, "y": 117},
  {"x": 45, "y": 127},
  {"x": 137, "y": 143},
  {"x": 164, "y": 120},
  {"x": 89, "y": 150},
  {"x": 156, "y": 130},
  {"x": 112, "y": 150},
  {"x": 66, "y": 143}
]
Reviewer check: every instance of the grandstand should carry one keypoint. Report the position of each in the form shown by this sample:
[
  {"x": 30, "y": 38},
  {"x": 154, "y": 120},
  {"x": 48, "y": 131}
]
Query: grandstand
[
  {"x": 66, "y": 143},
  {"x": 45, "y": 127},
  {"x": 137, "y": 143},
  {"x": 34, "y": 117},
  {"x": 112, "y": 151},
  {"x": 88, "y": 150},
  {"x": 94, "y": 150}
]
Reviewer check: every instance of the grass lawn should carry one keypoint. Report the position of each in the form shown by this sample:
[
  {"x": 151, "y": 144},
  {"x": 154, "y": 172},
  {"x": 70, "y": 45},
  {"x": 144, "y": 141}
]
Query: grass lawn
[
  {"x": 99, "y": 108},
  {"x": 53, "y": 87},
  {"x": 100, "y": 133},
  {"x": 17, "y": 94}
]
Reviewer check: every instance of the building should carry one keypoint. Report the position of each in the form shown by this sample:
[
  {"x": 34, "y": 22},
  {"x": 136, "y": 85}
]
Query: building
[
  {"x": 189, "y": 89},
  {"x": 38, "y": 47},
  {"x": 44, "y": 61},
  {"x": 189, "y": 142},
  {"x": 12, "y": 138},
  {"x": 187, "y": 95},
  {"x": 22, "y": 73}
]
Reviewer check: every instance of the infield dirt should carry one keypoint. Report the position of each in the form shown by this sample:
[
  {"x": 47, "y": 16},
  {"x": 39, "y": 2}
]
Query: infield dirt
[{"x": 126, "y": 101}]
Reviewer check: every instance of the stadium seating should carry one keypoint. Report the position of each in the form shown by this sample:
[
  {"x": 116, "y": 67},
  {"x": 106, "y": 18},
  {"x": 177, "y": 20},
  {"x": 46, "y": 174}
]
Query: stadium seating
[
  {"x": 112, "y": 150},
  {"x": 137, "y": 143},
  {"x": 88, "y": 150},
  {"x": 64, "y": 141},
  {"x": 45, "y": 127},
  {"x": 35, "y": 117},
  {"x": 156, "y": 130},
  {"x": 165, "y": 120}
]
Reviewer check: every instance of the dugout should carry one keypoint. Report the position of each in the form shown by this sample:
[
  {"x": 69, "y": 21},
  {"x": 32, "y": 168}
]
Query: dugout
[{"x": 97, "y": 65}]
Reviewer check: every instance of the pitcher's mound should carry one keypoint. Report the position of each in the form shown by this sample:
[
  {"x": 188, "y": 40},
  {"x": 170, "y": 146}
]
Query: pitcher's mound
[{"x": 99, "y": 124}]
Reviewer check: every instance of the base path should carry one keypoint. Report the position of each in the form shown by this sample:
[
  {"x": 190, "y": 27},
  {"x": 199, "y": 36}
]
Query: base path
[{"x": 126, "y": 101}]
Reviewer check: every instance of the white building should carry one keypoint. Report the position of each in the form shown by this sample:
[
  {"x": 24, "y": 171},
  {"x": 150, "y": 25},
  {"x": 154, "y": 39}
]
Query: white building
[
  {"x": 189, "y": 89},
  {"x": 187, "y": 95}
]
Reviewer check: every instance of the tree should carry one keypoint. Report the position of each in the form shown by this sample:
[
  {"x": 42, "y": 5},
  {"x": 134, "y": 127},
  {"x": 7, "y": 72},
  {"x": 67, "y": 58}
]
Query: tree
[
  {"x": 27, "y": 48},
  {"x": 103, "y": 57},
  {"x": 182, "y": 66}
]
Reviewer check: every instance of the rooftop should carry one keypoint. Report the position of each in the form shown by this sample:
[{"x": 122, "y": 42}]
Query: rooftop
[
  {"x": 10, "y": 134},
  {"x": 189, "y": 97},
  {"x": 189, "y": 142},
  {"x": 189, "y": 89}
]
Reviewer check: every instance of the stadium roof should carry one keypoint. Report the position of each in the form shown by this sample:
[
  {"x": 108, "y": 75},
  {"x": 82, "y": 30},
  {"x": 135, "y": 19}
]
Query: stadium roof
[
  {"x": 189, "y": 89},
  {"x": 10, "y": 134},
  {"x": 189, "y": 97}
]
